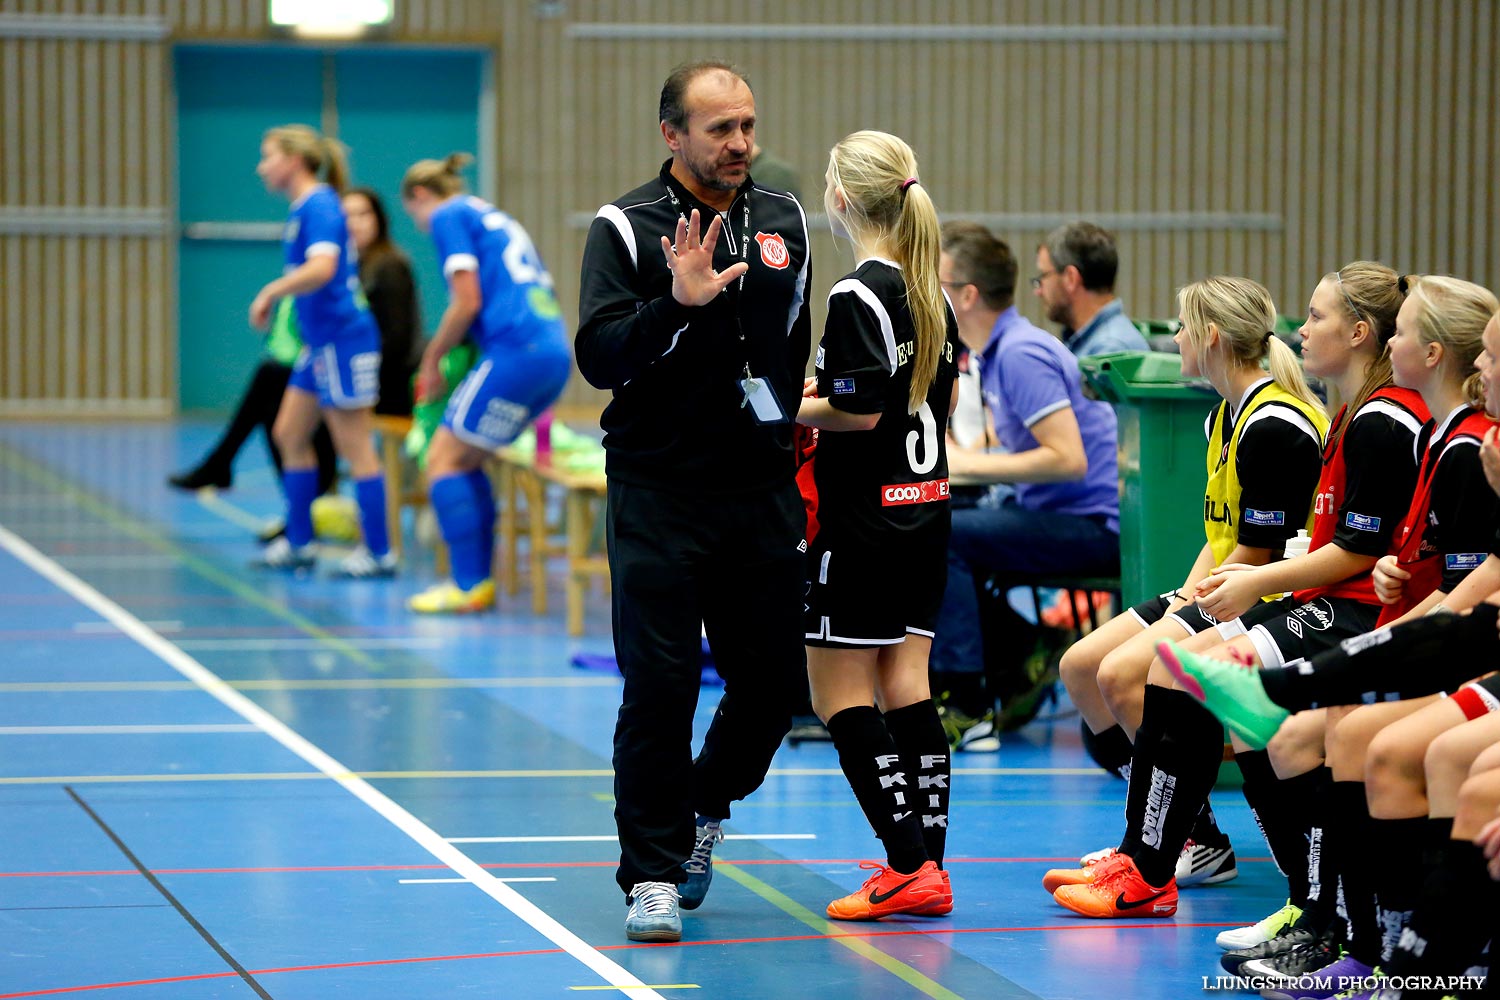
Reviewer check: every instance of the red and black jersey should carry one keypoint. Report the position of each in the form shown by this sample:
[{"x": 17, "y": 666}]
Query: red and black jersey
[
  {"x": 1448, "y": 530},
  {"x": 894, "y": 477},
  {"x": 1369, "y": 474}
]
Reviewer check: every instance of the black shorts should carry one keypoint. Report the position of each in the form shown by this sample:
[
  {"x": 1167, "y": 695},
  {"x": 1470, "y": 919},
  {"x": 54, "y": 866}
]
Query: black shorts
[
  {"x": 1189, "y": 616},
  {"x": 861, "y": 595},
  {"x": 1287, "y": 630}
]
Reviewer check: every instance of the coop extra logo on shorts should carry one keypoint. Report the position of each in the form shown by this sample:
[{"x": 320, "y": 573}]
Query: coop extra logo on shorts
[
  {"x": 929, "y": 491},
  {"x": 773, "y": 251}
]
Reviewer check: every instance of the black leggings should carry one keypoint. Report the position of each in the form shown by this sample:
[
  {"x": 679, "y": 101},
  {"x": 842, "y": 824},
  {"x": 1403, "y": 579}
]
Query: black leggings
[
  {"x": 258, "y": 407},
  {"x": 1414, "y": 659}
]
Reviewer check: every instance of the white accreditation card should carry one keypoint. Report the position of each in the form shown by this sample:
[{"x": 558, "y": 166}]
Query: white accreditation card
[{"x": 761, "y": 399}]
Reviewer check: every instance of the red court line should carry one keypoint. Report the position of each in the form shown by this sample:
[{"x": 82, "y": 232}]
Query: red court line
[
  {"x": 506, "y": 864},
  {"x": 1092, "y": 925}
]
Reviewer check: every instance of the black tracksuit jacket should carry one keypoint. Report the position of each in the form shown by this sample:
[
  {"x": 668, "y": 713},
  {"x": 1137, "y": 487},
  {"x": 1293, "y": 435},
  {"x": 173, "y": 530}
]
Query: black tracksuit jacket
[{"x": 675, "y": 422}]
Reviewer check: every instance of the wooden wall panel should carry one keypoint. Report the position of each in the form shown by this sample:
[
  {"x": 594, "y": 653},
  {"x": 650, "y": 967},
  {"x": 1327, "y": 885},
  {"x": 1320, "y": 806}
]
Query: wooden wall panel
[{"x": 1362, "y": 128}]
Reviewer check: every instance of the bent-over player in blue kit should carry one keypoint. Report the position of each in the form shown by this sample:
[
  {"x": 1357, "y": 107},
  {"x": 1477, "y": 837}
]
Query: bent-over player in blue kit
[
  {"x": 500, "y": 294},
  {"x": 337, "y": 377}
]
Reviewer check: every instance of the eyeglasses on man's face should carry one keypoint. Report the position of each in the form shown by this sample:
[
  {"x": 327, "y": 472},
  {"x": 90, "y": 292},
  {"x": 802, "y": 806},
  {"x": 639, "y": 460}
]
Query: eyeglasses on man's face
[{"x": 1036, "y": 281}]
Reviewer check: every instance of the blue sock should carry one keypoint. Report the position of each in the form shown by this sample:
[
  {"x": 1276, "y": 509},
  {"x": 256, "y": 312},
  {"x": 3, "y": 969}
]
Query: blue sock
[
  {"x": 301, "y": 486},
  {"x": 461, "y": 523},
  {"x": 484, "y": 498},
  {"x": 370, "y": 495}
]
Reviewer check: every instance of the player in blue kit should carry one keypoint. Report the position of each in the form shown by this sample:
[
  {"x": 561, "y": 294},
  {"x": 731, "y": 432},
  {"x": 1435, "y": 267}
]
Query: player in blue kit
[
  {"x": 337, "y": 377},
  {"x": 500, "y": 294}
]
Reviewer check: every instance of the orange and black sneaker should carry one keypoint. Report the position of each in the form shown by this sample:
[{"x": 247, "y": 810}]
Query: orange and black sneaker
[
  {"x": 924, "y": 892},
  {"x": 1088, "y": 869},
  {"x": 1118, "y": 890}
]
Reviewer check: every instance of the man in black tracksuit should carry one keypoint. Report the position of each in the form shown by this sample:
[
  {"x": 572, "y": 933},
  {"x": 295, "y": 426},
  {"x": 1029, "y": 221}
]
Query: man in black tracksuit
[{"x": 706, "y": 525}]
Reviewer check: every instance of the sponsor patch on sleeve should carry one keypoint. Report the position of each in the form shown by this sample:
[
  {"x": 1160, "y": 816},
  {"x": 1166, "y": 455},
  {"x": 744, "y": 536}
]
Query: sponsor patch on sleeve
[
  {"x": 843, "y": 386},
  {"x": 1361, "y": 522},
  {"x": 1459, "y": 562},
  {"x": 1265, "y": 518},
  {"x": 819, "y": 362}
]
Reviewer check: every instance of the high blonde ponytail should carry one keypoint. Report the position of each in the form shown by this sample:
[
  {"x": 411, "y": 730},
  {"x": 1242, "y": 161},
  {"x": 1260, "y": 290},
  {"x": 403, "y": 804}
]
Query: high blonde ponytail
[
  {"x": 443, "y": 178},
  {"x": 883, "y": 199}
]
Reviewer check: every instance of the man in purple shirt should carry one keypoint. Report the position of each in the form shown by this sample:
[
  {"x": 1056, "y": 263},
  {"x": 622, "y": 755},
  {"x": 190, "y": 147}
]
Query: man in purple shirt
[{"x": 1063, "y": 516}]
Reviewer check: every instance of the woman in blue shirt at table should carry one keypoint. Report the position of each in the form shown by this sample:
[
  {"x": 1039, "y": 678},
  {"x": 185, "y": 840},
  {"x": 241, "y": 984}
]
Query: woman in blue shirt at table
[
  {"x": 336, "y": 379},
  {"x": 500, "y": 294}
]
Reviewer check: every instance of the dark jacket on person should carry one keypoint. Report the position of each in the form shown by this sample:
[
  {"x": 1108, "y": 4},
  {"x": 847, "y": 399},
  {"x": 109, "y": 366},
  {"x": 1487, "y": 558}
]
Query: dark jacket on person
[{"x": 676, "y": 420}]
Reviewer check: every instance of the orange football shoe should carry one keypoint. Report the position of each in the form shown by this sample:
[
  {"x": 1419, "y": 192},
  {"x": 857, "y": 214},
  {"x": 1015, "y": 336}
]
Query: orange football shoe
[
  {"x": 1087, "y": 870},
  {"x": 888, "y": 892},
  {"x": 1119, "y": 891}
]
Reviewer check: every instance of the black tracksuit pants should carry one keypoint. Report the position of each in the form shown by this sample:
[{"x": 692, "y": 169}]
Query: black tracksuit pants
[{"x": 731, "y": 565}]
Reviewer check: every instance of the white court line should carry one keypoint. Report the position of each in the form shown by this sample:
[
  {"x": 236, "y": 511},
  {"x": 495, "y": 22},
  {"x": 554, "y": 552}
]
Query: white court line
[
  {"x": 464, "y": 881},
  {"x": 217, "y": 727},
  {"x": 608, "y": 838},
  {"x": 421, "y": 833}
]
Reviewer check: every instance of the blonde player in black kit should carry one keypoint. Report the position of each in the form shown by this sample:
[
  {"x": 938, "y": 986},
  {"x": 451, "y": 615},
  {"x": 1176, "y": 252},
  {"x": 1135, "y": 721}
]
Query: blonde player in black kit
[{"x": 884, "y": 389}]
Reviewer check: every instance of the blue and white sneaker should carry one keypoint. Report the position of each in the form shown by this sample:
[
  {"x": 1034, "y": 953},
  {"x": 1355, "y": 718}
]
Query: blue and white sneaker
[
  {"x": 653, "y": 913},
  {"x": 700, "y": 864}
]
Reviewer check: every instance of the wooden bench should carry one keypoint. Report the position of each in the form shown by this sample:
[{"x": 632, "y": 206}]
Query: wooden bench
[
  {"x": 392, "y": 432},
  {"x": 523, "y": 484}
]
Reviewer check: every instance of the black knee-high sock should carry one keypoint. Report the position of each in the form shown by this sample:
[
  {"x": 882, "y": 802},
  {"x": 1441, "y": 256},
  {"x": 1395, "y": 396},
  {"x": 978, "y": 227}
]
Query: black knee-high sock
[
  {"x": 1142, "y": 758},
  {"x": 1206, "y": 828},
  {"x": 1187, "y": 762},
  {"x": 1441, "y": 938},
  {"x": 1360, "y": 860},
  {"x": 1398, "y": 881},
  {"x": 1289, "y": 813},
  {"x": 1376, "y": 666},
  {"x": 885, "y": 791},
  {"x": 919, "y": 737},
  {"x": 1110, "y": 749}
]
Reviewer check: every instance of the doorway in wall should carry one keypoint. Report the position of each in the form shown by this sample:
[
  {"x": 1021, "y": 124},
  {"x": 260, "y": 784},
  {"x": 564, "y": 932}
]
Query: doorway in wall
[{"x": 391, "y": 106}]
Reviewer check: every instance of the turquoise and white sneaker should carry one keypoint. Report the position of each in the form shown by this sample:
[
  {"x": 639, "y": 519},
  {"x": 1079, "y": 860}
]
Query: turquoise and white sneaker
[
  {"x": 1232, "y": 691},
  {"x": 700, "y": 864},
  {"x": 653, "y": 913}
]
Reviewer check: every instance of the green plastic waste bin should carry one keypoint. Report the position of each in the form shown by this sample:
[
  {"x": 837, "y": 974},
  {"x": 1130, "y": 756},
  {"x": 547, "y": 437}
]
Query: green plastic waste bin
[{"x": 1162, "y": 473}]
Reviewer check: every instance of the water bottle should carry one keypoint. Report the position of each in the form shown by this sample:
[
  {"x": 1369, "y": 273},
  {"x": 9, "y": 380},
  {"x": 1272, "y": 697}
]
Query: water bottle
[
  {"x": 544, "y": 438},
  {"x": 1298, "y": 546}
]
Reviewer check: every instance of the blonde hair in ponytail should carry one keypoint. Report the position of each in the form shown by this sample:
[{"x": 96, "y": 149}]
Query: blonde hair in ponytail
[
  {"x": 443, "y": 178},
  {"x": 1245, "y": 315},
  {"x": 1454, "y": 313},
  {"x": 883, "y": 200},
  {"x": 1369, "y": 291},
  {"x": 319, "y": 152}
]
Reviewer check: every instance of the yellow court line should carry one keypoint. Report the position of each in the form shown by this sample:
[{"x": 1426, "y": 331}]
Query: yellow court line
[
  {"x": 837, "y": 934},
  {"x": 43, "y": 476},
  {"x": 314, "y": 684}
]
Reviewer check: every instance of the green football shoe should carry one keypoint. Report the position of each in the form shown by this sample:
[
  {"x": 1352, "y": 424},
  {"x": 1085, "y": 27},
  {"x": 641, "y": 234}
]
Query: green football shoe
[{"x": 1230, "y": 690}]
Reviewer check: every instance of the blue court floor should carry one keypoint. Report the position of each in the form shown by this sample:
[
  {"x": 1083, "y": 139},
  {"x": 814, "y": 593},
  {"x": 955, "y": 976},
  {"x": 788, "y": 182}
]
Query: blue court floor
[{"x": 216, "y": 782}]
